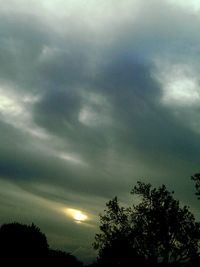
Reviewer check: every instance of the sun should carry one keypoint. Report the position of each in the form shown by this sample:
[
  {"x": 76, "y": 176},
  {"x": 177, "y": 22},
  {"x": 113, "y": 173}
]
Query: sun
[{"x": 77, "y": 215}]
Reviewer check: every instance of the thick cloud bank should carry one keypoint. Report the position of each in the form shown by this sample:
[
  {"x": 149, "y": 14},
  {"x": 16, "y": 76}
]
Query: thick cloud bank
[{"x": 94, "y": 96}]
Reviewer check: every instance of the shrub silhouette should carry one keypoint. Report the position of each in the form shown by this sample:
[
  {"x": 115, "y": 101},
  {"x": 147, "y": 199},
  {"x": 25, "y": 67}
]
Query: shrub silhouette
[{"x": 155, "y": 232}]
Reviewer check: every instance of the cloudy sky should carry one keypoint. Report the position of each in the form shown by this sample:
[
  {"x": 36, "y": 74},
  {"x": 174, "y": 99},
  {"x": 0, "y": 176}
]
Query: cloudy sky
[{"x": 95, "y": 95}]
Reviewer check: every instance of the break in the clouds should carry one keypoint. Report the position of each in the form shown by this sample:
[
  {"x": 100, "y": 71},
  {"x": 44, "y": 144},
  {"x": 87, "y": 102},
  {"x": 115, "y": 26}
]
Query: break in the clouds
[{"x": 94, "y": 95}]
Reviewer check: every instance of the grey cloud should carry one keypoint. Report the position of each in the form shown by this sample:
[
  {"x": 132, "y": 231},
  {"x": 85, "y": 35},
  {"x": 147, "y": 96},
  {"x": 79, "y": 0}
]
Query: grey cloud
[
  {"x": 22, "y": 39},
  {"x": 96, "y": 98},
  {"x": 57, "y": 109}
]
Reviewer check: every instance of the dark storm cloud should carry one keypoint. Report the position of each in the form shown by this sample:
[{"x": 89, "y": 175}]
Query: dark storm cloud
[{"x": 93, "y": 98}]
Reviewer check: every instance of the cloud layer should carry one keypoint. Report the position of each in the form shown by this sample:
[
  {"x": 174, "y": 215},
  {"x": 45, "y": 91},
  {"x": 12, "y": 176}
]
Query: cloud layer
[{"x": 94, "y": 96}]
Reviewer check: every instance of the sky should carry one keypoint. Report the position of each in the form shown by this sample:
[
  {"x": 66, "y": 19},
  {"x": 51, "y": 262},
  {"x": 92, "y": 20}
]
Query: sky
[{"x": 94, "y": 96}]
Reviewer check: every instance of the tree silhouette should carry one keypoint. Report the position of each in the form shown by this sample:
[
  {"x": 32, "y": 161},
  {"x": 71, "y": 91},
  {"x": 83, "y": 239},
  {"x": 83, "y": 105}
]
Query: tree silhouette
[
  {"x": 61, "y": 259},
  {"x": 26, "y": 245},
  {"x": 157, "y": 230},
  {"x": 114, "y": 243},
  {"x": 22, "y": 244},
  {"x": 165, "y": 232},
  {"x": 196, "y": 179}
]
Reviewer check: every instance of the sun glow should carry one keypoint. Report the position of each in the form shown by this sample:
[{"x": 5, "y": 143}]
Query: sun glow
[{"x": 77, "y": 215}]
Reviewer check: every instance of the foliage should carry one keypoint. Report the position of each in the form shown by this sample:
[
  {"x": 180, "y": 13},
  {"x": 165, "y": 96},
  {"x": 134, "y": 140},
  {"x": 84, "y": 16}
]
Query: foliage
[
  {"x": 196, "y": 179},
  {"x": 114, "y": 243},
  {"x": 157, "y": 230}
]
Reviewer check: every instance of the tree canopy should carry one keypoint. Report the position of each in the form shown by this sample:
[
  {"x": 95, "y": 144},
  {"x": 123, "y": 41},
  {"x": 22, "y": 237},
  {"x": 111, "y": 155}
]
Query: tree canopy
[
  {"x": 157, "y": 231},
  {"x": 26, "y": 245},
  {"x": 196, "y": 179}
]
